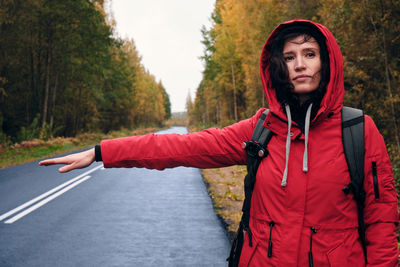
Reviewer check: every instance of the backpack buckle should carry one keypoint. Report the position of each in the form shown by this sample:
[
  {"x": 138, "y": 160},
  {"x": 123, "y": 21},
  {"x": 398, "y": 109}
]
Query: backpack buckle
[
  {"x": 347, "y": 189},
  {"x": 254, "y": 149}
]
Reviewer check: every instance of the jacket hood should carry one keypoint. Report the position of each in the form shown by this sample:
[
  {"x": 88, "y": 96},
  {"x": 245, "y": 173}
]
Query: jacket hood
[{"x": 333, "y": 98}]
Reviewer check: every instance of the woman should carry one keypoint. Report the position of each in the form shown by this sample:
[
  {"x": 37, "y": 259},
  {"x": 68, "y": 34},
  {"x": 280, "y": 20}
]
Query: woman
[{"x": 297, "y": 201}]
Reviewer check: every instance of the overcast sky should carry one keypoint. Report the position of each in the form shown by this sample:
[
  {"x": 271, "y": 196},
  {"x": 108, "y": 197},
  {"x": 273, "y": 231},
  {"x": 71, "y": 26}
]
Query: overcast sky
[{"x": 168, "y": 38}]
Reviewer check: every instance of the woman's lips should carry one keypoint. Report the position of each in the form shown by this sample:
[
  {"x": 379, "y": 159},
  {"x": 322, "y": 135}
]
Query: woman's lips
[{"x": 301, "y": 78}]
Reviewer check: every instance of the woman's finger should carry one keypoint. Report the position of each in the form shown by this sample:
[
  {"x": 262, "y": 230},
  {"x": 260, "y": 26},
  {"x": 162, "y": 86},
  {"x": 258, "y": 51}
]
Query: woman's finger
[
  {"x": 66, "y": 168},
  {"x": 62, "y": 160},
  {"x": 73, "y": 161},
  {"x": 47, "y": 162}
]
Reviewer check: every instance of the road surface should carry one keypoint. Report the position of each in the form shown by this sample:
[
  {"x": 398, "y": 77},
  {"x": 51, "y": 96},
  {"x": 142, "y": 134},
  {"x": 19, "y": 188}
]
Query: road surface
[{"x": 108, "y": 217}]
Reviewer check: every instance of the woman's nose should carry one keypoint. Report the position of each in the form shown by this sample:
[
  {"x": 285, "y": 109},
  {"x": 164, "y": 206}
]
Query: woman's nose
[{"x": 299, "y": 64}]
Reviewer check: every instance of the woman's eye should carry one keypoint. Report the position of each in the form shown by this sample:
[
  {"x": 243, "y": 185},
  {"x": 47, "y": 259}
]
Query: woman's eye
[
  {"x": 311, "y": 54},
  {"x": 288, "y": 58}
]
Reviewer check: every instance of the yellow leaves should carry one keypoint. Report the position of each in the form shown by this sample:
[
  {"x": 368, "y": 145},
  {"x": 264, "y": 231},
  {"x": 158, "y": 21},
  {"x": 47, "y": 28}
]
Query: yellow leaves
[
  {"x": 361, "y": 74},
  {"x": 150, "y": 105}
]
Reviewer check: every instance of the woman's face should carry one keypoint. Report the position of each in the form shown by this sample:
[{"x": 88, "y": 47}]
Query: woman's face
[{"x": 304, "y": 64}]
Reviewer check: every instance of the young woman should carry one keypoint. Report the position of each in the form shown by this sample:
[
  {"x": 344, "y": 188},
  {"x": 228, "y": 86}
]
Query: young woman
[{"x": 297, "y": 201}]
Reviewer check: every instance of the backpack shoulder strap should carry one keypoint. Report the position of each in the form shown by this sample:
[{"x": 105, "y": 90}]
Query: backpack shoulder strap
[
  {"x": 256, "y": 151},
  {"x": 354, "y": 150},
  {"x": 261, "y": 134},
  {"x": 353, "y": 142}
]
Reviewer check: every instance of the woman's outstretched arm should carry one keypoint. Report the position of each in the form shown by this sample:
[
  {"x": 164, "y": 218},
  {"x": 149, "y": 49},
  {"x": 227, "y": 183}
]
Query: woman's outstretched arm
[
  {"x": 210, "y": 148},
  {"x": 73, "y": 161}
]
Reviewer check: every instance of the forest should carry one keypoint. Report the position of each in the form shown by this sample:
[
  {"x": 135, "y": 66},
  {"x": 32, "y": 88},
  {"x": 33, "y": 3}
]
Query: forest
[
  {"x": 367, "y": 31},
  {"x": 64, "y": 71}
]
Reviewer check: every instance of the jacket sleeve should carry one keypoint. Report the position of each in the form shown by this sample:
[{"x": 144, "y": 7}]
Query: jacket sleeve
[
  {"x": 381, "y": 213},
  {"x": 210, "y": 148}
]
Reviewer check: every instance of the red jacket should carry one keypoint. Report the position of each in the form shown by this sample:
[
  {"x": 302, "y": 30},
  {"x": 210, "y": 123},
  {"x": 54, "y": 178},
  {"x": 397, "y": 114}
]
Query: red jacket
[{"x": 312, "y": 199}]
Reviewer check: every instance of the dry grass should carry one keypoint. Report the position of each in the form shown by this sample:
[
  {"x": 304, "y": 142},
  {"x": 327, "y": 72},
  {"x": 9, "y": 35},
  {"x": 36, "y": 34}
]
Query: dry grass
[{"x": 225, "y": 187}]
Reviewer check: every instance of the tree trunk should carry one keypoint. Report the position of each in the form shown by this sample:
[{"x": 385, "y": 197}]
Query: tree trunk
[
  {"x": 39, "y": 84},
  {"x": 77, "y": 111},
  {"x": 218, "y": 117},
  {"x": 32, "y": 67},
  {"x": 53, "y": 103},
  {"x": 46, "y": 89},
  {"x": 234, "y": 94}
]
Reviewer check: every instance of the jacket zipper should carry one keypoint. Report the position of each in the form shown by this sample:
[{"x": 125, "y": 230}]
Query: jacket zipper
[
  {"x": 271, "y": 224},
  {"x": 310, "y": 256},
  {"x": 375, "y": 179}
]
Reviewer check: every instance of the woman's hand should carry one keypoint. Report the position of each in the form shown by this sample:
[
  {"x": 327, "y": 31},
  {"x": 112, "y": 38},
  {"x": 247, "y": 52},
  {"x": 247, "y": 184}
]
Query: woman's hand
[{"x": 73, "y": 161}]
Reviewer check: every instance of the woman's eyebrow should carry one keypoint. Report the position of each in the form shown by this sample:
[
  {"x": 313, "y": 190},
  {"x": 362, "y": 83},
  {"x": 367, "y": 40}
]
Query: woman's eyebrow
[
  {"x": 310, "y": 49},
  {"x": 306, "y": 49}
]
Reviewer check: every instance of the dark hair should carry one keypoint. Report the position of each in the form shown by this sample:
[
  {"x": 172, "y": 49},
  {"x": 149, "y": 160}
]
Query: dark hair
[{"x": 278, "y": 71}]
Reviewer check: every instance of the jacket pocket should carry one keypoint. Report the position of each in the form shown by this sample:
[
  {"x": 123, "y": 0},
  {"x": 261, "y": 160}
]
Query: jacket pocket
[
  {"x": 347, "y": 252},
  {"x": 247, "y": 251},
  {"x": 380, "y": 184},
  {"x": 337, "y": 256}
]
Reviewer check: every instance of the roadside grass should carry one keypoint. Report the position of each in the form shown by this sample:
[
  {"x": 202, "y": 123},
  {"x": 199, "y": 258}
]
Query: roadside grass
[
  {"x": 35, "y": 149},
  {"x": 225, "y": 187},
  {"x": 22, "y": 155}
]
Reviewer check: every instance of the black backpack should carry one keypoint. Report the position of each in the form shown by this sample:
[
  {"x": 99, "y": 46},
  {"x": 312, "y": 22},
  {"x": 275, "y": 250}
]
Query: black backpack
[{"x": 256, "y": 148}]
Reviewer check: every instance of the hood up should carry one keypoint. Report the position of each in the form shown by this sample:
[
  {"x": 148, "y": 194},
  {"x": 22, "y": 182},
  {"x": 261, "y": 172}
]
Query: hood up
[{"x": 333, "y": 98}]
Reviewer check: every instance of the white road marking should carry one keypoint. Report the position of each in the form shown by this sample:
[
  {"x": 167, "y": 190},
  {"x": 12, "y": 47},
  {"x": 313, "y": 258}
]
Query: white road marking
[
  {"x": 44, "y": 201},
  {"x": 23, "y": 206}
]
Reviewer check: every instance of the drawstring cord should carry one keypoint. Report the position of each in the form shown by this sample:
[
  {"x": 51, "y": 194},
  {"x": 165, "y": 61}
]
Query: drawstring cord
[
  {"x": 288, "y": 141},
  {"x": 306, "y": 130},
  {"x": 310, "y": 256},
  {"x": 271, "y": 224}
]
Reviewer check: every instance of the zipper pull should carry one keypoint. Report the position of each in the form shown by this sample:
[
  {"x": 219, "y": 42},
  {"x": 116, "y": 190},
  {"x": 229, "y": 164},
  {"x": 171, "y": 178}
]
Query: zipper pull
[
  {"x": 310, "y": 256},
  {"x": 271, "y": 224}
]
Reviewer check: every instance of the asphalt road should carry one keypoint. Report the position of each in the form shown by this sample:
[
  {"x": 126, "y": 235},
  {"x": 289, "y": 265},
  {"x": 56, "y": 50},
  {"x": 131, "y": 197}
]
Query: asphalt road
[{"x": 108, "y": 217}]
